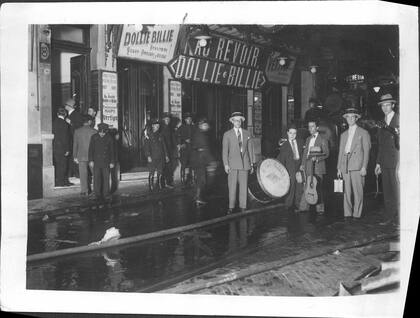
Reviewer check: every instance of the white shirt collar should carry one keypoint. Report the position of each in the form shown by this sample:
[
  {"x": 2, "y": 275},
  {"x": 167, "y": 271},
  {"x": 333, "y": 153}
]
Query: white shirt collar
[
  {"x": 315, "y": 135},
  {"x": 353, "y": 128},
  {"x": 236, "y": 130},
  {"x": 62, "y": 117},
  {"x": 71, "y": 110},
  {"x": 389, "y": 117}
]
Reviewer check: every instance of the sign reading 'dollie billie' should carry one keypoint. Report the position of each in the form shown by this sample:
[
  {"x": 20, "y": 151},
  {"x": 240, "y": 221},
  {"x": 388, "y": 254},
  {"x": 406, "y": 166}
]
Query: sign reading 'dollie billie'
[
  {"x": 156, "y": 44},
  {"x": 222, "y": 61}
]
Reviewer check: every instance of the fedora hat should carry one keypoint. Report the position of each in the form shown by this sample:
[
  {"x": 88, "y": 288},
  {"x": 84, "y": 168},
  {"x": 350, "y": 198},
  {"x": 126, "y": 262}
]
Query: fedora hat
[
  {"x": 387, "y": 98},
  {"x": 166, "y": 115},
  {"x": 237, "y": 115},
  {"x": 352, "y": 111},
  {"x": 103, "y": 127}
]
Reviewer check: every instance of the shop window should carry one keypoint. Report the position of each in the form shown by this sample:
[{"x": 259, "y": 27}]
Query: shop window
[{"x": 69, "y": 33}]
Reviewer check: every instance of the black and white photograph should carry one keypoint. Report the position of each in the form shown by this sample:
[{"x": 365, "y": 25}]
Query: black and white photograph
[{"x": 219, "y": 158}]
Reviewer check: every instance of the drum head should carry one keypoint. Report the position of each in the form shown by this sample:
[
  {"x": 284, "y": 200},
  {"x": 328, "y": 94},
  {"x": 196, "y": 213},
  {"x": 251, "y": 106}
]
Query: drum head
[{"x": 273, "y": 178}]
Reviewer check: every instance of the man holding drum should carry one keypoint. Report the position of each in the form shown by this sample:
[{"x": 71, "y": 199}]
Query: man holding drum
[{"x": 237, "y": 160}]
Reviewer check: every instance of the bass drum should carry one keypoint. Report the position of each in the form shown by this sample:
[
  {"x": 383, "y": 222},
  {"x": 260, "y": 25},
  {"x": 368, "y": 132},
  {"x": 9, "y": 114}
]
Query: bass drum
[{"x": 269, "y": 182}]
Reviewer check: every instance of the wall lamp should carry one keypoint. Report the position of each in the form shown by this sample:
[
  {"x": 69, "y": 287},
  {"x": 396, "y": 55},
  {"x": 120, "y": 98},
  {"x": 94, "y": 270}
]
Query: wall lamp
[
  {"x": 202, "y": 35},
  {"x": 313, "y": 68},
  {"x": 376, "y": 89}
]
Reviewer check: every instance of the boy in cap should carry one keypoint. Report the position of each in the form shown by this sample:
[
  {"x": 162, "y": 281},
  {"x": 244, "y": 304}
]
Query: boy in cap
[
  {"x": 185, "y": 133},
  {"x": 352, "y": 163},
  {"x": 101, "y": 160},
  {"x": 169, "y": 138},
  {"x": 156, "y": 153},
  {"x": 237, "y": 160}
]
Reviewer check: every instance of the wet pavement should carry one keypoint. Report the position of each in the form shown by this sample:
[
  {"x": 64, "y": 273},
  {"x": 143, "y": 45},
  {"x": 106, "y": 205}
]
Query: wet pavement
[{"x": 153, "y": 265}]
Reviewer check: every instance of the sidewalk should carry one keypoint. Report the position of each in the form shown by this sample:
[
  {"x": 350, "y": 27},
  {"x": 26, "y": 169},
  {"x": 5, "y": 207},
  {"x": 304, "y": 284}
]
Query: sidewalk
[{"x": 129, "y": 192}]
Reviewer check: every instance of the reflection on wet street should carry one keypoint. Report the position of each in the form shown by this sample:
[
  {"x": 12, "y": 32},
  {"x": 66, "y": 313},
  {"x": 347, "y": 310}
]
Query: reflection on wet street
[{"x": 136, "y": 267}]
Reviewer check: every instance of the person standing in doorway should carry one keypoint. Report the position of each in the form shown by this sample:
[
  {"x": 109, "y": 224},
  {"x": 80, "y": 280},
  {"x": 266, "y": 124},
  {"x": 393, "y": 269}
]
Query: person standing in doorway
[
  {"x": 156, "y": 153},
  {"x": 237, "y": 154},
  {"x": 61, "y": 147},
  {"x": 313, "y": 161},
  {"x": 74, "y": 119},
  {"x": 388, "y": 158},
  {"x": 290, "y": 156},
  {"x": 352, "y": 163},
  {"x": 81, "y": 143},
  {"x": 200, "y": 158},
  {"x": 169, "y": 138},
  {"x": 101, "y": 160}
]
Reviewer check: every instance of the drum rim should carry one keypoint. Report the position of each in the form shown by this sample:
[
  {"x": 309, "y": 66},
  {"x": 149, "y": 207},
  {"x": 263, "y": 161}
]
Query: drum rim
[{"x": 260, "y": 182}]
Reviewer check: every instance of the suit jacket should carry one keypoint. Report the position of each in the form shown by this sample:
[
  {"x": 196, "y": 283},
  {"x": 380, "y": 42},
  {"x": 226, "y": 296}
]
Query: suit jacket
[
  {"x": 320, "y": 168},
  {"x": 81, "y": 141},
  {"x": 359, "y": 151},
  {"x": 231, "y": 153},
  {"x": 388, "y": 156},
  {"x": 101, "y": 150},
  {"x": 61, "y": 142},
  {"x": 287, "y": 159},
  {"x": 155, "y": 148},
  {"x": 76, "y": 120}
]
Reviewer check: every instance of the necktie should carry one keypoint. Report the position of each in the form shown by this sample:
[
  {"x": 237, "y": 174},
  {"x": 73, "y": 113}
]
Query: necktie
[
  {"x": 295, "y": 151},
  {"x": 239, "y": 140}
]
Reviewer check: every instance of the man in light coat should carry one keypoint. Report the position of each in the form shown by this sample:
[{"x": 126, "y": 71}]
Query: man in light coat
[
  {"x": 237, "y": 160},
  {"x": 352, "y": 163},
  {"x": 81, "y": 142}
]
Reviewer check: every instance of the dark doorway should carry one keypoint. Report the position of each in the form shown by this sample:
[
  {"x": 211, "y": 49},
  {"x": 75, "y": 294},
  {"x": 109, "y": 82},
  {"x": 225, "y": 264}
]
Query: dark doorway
[{"x": 139, "y": 91}]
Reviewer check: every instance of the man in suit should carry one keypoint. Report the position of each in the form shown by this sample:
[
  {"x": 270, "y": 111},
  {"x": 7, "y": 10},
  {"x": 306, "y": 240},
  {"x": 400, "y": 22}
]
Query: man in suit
[
  {"x": 61, "y": 147},
  {"x": 74, "y": 119},
  {"x": 184, "y": 135},
  {"x": 352, "y": 163},
  {"x": 237, "y": 154},
  {"x": 291, "y": 157},
  {"x": 388, "y": 158},
  {"x": 81, "y": 143},
  {"x": 316, "y": 162},
  {"x": 101, "y": 160}
]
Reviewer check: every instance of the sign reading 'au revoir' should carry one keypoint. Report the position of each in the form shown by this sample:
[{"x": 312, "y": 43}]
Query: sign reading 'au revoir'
[
  {"x": 223, "y": 61},
  {"x": 153, "y": 44}
]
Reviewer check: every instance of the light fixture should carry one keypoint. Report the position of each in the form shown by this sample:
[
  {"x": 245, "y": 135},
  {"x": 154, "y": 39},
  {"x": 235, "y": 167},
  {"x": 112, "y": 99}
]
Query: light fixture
[
  {"x": 376, "y": 89},
  {"x": 313, "y": 68},
  {"x": 282, "y": 61},
  {"x": 202, "y": 42}
]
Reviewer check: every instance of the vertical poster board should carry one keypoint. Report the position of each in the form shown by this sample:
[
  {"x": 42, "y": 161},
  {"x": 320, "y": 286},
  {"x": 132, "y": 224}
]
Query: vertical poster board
[
  {"x": 175, "y": 98},
  {"x": 257, "y": 114},
  {"x": 109, "y": 96}
]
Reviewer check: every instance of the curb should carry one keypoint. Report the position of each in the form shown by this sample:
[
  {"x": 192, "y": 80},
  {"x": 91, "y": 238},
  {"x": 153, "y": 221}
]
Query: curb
[{"x": 253, "y": 270}]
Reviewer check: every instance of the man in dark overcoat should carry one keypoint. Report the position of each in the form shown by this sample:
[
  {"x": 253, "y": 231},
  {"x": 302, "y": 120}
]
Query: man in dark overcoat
[
  {"x": 61, "y": 147},
  {"x": 157, "y": 155},
  {"x": 184, "y": 136},
  {"x": 290, "y": 156},
  {"x": 388, "y": 158},
  {"x": 75, "y": 120},
  {"x": 81, "y": 143},
  {"x": 101, "y": 160},
  {"x": 169, "y": 138}
]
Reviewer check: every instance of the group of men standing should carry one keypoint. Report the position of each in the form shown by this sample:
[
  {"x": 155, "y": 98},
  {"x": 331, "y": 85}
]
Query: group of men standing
[
  {"x": 92, "y": 151},
  {"x": 352, "y": 162}
]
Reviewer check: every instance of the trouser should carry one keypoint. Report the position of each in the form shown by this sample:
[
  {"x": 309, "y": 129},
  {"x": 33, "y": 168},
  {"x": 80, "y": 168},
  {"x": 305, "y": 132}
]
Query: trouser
[
  {"x": 115, "y": 177},
  {"x": 60, "y": 165},
  {"x": 236, "y": 177},
  {"x": 101, "y": 181},
  {"x": 353, "y": 183},
  {"x": 295, "y": 193},
  {"x": 168, "y": 171},
  {"x": 84, "y": 176},
  {"x": 391, "y": 192},
  {"x": 200, "y": 181}
]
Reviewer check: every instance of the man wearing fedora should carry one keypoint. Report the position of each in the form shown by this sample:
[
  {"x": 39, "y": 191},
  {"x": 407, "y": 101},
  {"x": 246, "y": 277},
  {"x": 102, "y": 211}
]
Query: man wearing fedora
[
  {"x": 388, "y": 157},
  {"x": 237, "y": 160},
  {"x": 101, "y": 160},
  {"x": 352, "y": 163}
]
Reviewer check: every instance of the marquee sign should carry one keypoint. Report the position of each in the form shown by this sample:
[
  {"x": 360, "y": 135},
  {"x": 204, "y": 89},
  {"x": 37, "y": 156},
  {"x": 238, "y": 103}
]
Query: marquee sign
[
  {"x": 154, "y": 44},
  {"x": 212, "y": 72}
]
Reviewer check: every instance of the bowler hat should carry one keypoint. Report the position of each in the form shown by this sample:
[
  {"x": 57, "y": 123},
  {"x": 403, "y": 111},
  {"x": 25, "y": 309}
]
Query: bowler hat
[
  {"x": 166, "y": 115},
  {"x": 387, "y": 98},
  {"x": 103, "y": 127},
  {"x": 203, "y": 120},
  {"x": 352, "y": 111},
  {"x": 186, "y": 115},
  {"x": 236, "y": 115}
]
